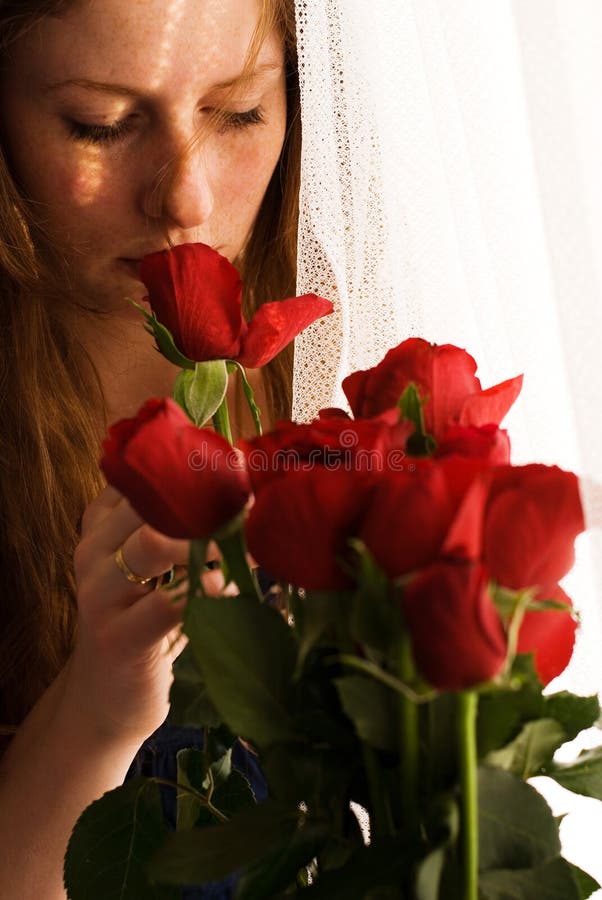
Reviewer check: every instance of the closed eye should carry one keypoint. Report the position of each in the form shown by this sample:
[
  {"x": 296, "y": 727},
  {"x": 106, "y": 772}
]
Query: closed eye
[
  {"x": 233, "y": 121},
  {"x": 100, "y": 134},
  {"x": 109, "y": 134}
]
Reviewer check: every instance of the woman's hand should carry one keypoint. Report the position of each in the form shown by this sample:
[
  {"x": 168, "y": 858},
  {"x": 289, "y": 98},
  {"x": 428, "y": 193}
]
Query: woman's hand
[{"x": 128, "y": 634}]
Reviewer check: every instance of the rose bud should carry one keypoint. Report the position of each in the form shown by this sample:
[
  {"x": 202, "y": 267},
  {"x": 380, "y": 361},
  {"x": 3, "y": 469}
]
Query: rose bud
[
  {"x": 457, "y": 636},
  {"x": 445, "y": 378},
  {"x": 549, "y": 634},
  {"x": 197, "y": 295},
  {"x": 299, "y": 526},
  {"x": 185, "y": 481},
  {"x": 532, "y": 518}
]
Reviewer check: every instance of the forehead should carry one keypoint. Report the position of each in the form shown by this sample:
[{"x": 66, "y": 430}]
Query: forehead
[{"x": 147, "y": 44}]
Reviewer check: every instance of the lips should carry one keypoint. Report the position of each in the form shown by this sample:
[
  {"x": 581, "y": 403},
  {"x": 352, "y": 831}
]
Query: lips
[{"x": 133, "y": 263}]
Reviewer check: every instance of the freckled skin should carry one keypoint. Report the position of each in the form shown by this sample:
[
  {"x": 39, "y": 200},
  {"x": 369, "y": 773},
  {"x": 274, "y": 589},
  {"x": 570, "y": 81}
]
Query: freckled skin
[{"x": 97, "y": 199}]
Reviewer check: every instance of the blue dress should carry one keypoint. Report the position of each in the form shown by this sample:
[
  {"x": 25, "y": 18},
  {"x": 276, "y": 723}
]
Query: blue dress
[{"x": 157, "y": 757}]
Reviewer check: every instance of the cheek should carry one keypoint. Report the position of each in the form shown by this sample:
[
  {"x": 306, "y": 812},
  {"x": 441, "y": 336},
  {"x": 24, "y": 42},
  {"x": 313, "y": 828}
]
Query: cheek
[
  {"x": 81, "y": 200},
  {"x": 80, "y": 185},
  {"x": 61, "y": 177},
  {"x": 248, "y": 174},
  {"x": 84, "y": 185}
]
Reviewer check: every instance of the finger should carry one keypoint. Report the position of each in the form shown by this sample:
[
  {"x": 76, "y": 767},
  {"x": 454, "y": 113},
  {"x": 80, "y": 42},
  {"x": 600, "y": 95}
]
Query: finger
[
  {"x": 213, "y": 554},
  {"x": 112, "y": 530},
  {"x": 102, "y": 583},
  {"x": 177, "y": 641},
  {"x": 148, "y": 621},
  {"x": 100, "y": 507},
  {"x": 213, "y": 582},
  {"x": 149, "y": 553}
]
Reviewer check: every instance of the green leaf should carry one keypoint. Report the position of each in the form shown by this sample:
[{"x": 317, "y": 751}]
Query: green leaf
[
  {"x": 382, "y": 864},
  {"x": 188, "y": 697},
  {"x": 297, "y": 772},
  {"x": 192, "y": 773},
  {"x": 222, "y": 789},
  {"x": 443, "y": 828},
  {"x": 247, "y": 654},
  {"x": 164, "y": 339},
  {"x": 279, "y": 870},
  {"x": 438, "y": 724},
  {"x": 574, "y": 713},
  {"x": 385, "y": 892},
  {"x": 234, "y": 794},
  {"x": 586, "y": 885},
  {"x": 529, "y": 753},
  {"x": 208, "y": 854},
  {"x": 112, "y": 842},
  {"x": 516, "y": 827},
  {"x": 553, "y": 880},
  {"x": 583, "y": 776},
  {"x": 372, "y": 707},
  {"x": 505, "y": 713},
  {"x": 376, "y": 619},
  {"x": 320, "y": 617},
  {"x": 200, "y": 391},
  {"x": 504, "y": 709},
  {"x": 428, "y": 876}
]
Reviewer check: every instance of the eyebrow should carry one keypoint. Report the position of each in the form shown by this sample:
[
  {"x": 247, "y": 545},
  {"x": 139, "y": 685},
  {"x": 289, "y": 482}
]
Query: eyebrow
[{"x": 125, "y": 90}]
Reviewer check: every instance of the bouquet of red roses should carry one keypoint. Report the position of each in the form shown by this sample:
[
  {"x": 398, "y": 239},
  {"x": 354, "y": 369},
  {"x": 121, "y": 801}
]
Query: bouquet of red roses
[{"x": 391, "y": 674}]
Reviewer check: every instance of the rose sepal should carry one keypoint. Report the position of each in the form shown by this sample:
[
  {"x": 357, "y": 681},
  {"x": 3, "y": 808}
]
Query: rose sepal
[
  {"x": 411, "y": 406},
  {"x": 234, "y": 366},
  {"x": 201, "y": 391},
  {"x": 165, "y": 342}
]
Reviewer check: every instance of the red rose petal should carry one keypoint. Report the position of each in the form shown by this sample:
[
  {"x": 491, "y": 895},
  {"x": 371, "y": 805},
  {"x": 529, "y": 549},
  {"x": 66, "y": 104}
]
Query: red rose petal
[{"x": 276, "y": 324}]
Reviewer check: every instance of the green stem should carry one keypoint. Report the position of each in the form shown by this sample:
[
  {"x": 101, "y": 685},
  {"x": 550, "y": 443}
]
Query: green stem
[
  {"x": 221, "y": 421},
  {"x": 185, "y": 789},
  {"x": 382, "y": 821},
  {"x": 409, "y": 750},
  {"x": 196, "y": 562},
  {"x": 369, "y": 668},
  {"x": 234, "y": 553},
  {"x": 249, "y": 395},
  {"x": 467, "y": 753}
]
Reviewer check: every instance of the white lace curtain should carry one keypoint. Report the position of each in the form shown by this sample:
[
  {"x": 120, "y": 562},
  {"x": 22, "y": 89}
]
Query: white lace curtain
[{"x": 452, "y": 189}]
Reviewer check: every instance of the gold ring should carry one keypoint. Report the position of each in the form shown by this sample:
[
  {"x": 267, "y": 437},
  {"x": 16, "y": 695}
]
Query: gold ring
[{"x": 131, "y": 576}]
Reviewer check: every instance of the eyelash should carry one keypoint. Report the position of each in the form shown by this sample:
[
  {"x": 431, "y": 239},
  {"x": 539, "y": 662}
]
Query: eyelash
[{"x": 110, "y": 134}]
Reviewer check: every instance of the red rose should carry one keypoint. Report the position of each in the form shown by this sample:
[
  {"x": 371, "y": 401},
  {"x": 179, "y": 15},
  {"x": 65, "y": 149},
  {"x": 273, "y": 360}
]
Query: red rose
[
  {"x": 549, "y": 634},
  {"x": 332, "y": 441},
  {"x": 428, "y": 510},
  {"x": 388, "y": 417},
  {"x": 486, "y": 442},
  {"x": 300, "y": 524},
  {"x": 197, "y": 294},
  {"x": 456, "y": 633},
  {"x": 184, "y": 481},
  {"x": 533, "y": 516},
  {"x": 446, "y": 381}
]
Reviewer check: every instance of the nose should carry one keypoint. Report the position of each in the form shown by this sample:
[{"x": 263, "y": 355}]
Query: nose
[{"x": 181, "y": 192}]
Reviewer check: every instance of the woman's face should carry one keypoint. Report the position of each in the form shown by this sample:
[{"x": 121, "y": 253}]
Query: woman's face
[{"x": 95, "y": 103}]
